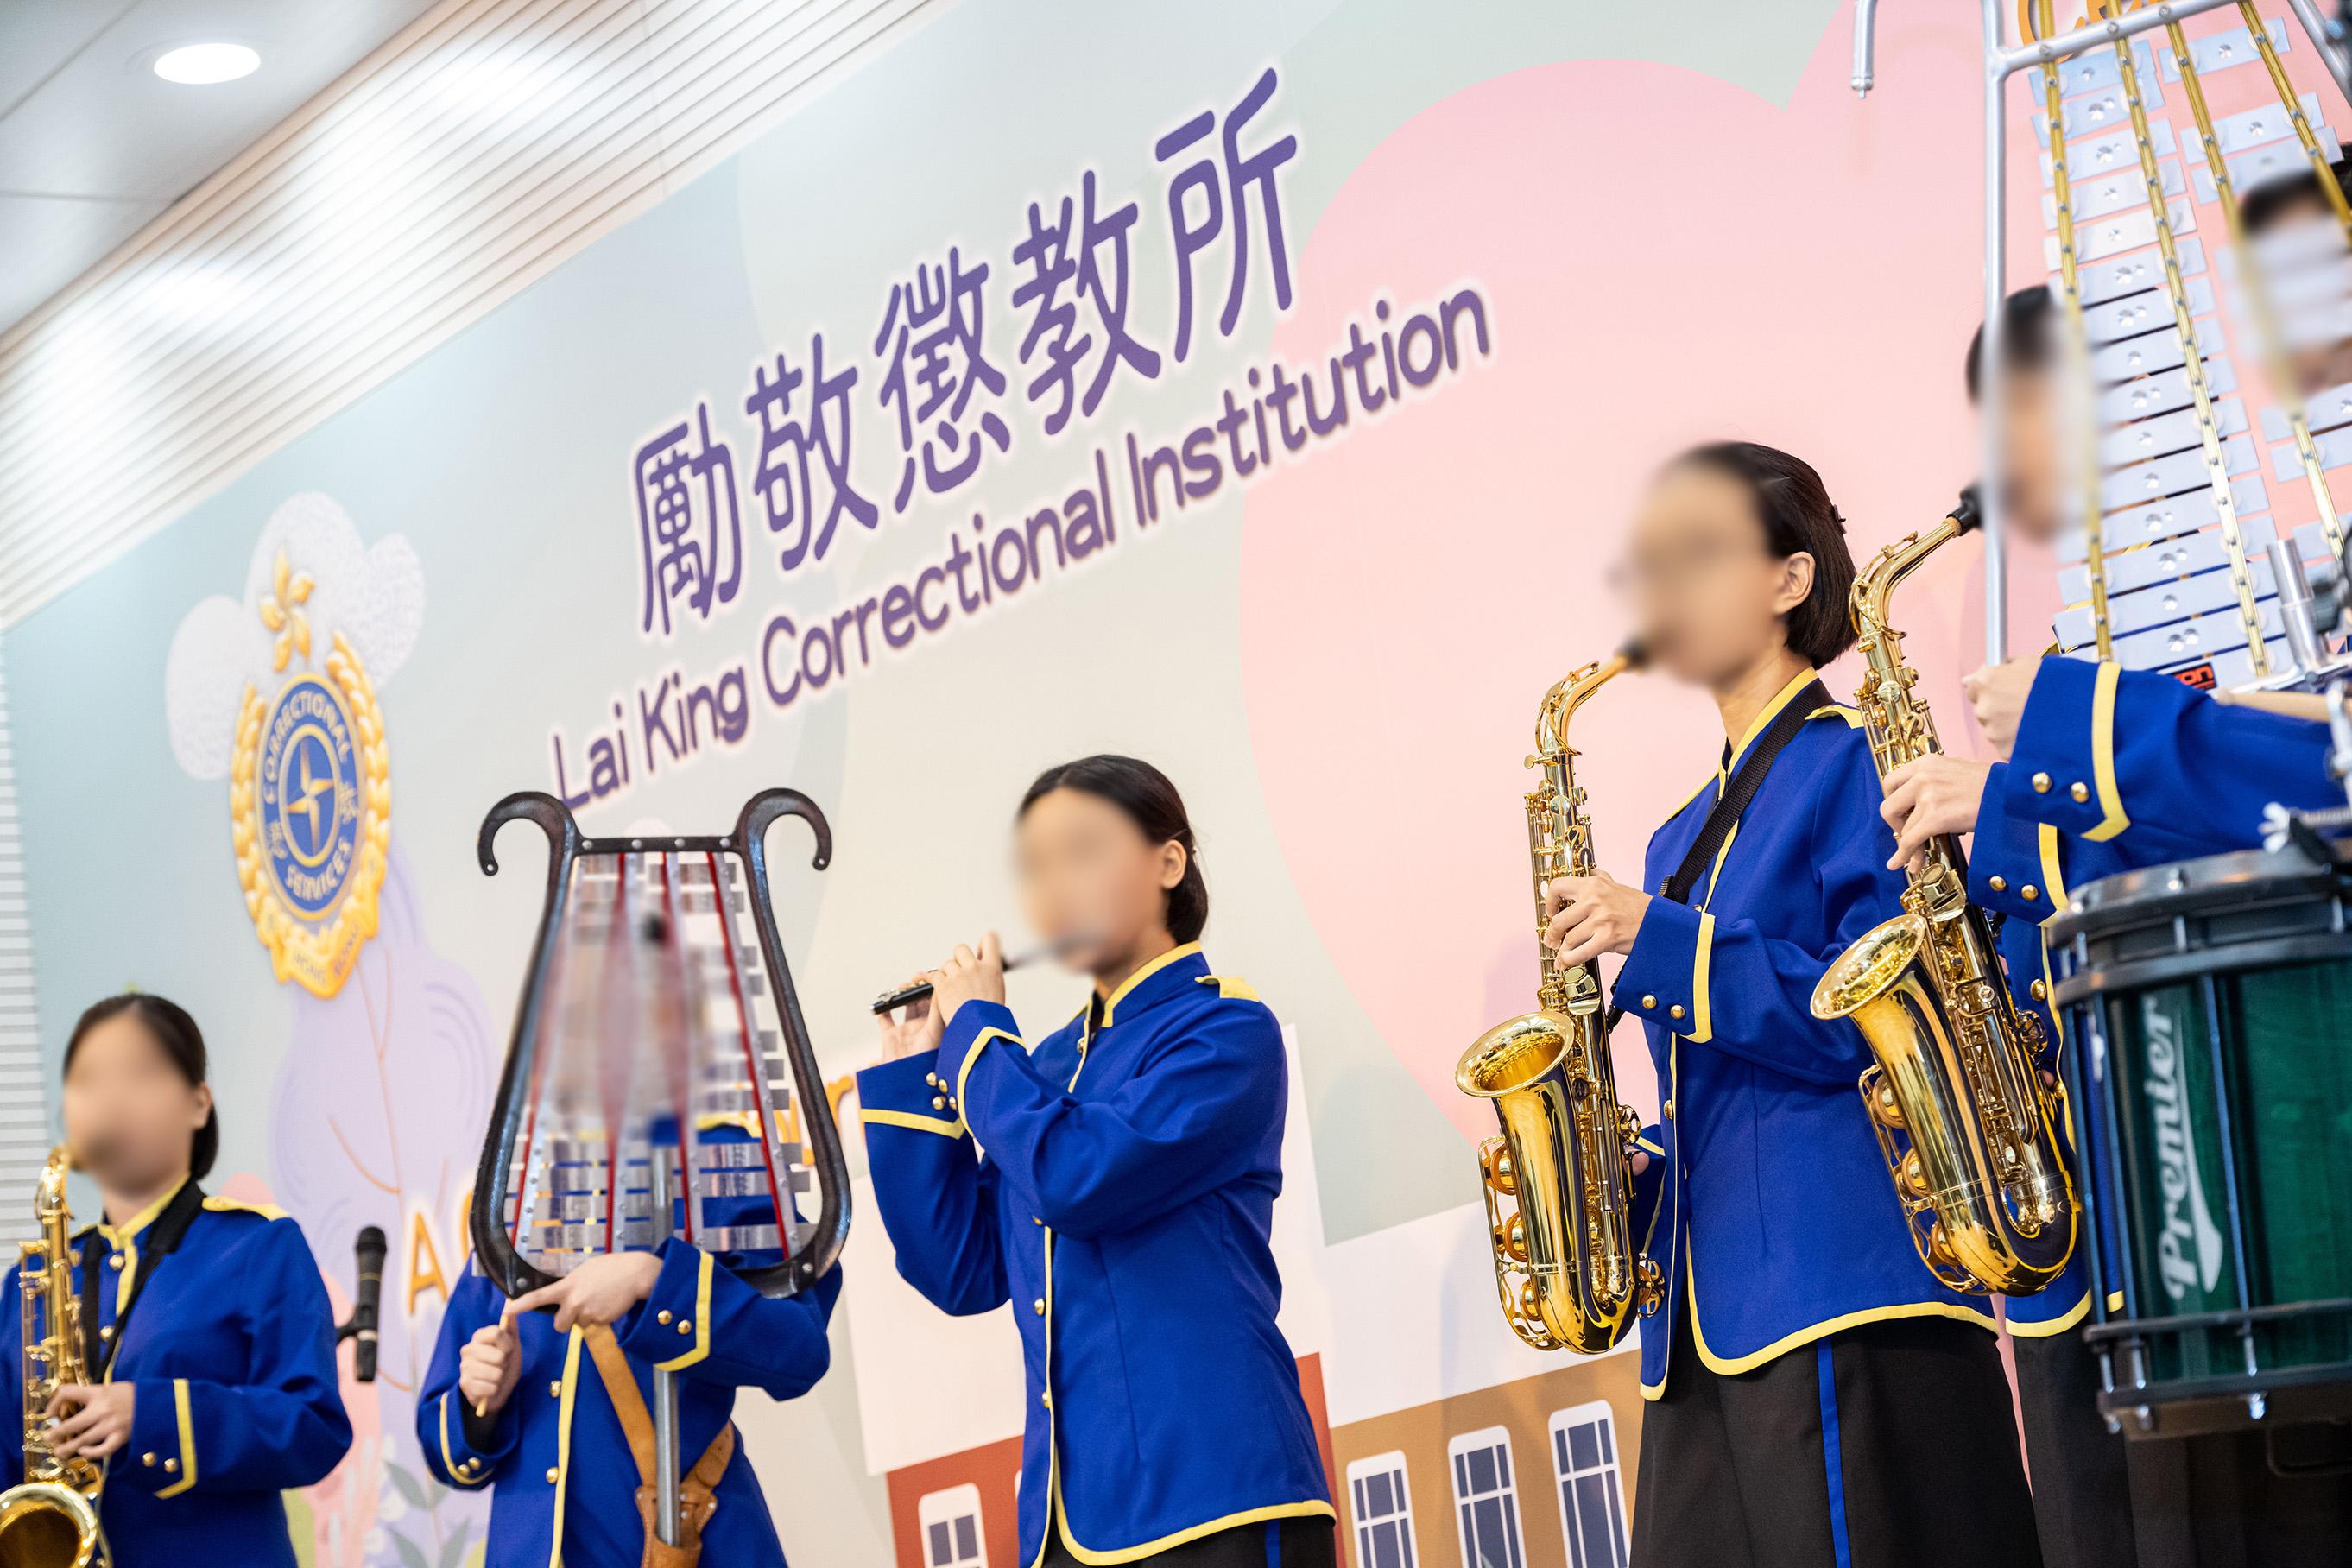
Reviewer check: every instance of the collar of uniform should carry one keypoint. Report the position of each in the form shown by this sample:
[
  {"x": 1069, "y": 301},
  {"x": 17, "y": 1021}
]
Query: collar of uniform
[
  {"x": 115, "y": 1233},
  {"x": 1734, "y": 750},
  {"x": 1156, "y": 981}
]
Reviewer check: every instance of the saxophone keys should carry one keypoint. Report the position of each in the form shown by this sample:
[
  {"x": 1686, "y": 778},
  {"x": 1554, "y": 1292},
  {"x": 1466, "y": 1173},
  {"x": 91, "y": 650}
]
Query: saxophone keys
[
  {"x": 1513, "y": 1241},
  {"x": 1883, "y": 1103},
  {"x": 1911, "y": 1175},
  {"x": 1500, "y": 1176}
]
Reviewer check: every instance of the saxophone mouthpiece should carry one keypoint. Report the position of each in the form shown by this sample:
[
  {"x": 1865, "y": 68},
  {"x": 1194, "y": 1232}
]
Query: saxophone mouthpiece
[
  {"x": 1968, "y": 511},
  {"x": 1635, "y": 653}
]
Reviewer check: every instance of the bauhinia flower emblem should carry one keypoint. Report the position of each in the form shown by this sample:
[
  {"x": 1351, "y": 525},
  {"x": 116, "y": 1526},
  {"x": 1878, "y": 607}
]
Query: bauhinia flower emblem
[{"x": 282, "y": 611}]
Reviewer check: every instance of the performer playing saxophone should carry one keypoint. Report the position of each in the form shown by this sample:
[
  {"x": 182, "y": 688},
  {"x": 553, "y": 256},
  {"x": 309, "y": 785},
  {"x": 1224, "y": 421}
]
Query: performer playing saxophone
[
  {"x": 1805, "y": 1373},
  {"x": 208, "y": 1383}
]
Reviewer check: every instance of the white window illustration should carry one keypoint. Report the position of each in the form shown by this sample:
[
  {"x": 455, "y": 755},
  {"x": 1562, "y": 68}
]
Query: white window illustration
[
  {"x": 1592, "y": 1487},
  {"x": 1382, "y": 1510},
  {"x": 1486, "y": 1500},
  {"x": 950, "y": 1525}
]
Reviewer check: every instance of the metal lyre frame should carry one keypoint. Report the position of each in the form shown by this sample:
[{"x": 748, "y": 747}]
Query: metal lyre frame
[
  {"x": 2003, "y": 60},
  {"x": 797, "y": 1266}
]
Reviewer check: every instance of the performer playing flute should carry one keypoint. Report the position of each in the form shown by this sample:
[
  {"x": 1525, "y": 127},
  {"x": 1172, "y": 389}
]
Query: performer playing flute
[
  {"x": 1114, "y": 1181},
  {"x": 1817, "y": 1397},
  {"x": 211, "y": 1351}
]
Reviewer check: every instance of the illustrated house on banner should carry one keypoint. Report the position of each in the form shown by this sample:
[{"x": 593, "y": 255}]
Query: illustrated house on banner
[{"x": 1447, "y": 1443}]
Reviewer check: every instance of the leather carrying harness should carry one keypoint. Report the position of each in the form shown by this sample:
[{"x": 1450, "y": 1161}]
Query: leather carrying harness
[{"x": 697, "y": 1497}]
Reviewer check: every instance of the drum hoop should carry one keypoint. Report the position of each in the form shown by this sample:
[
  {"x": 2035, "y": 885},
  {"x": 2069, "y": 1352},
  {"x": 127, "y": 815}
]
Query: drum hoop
[
  {"x": 2143, "y": 974},
  {"x": 2156, "y": 895}
]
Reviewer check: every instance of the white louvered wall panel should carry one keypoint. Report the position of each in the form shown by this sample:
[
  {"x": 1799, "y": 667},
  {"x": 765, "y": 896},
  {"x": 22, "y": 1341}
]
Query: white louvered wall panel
[
  {"x": 467, "y": 157},
  {"x": 23, "y": 1110}
]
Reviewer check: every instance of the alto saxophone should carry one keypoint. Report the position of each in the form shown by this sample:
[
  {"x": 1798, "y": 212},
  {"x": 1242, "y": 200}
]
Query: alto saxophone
[
  {"x": 51, "y": 1520},
  {"x": 1960, "y": 1112},
  {"x": 1565, "y": 1262}
]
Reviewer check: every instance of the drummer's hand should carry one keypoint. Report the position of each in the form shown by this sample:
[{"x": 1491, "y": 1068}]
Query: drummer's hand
[
  {"x": 968, "y": 976},
  {"x": 1998, "y": 692},
  {"x": 96, "y": 1418},
  {"x": 1935, "y": 795},
  {"x": 1592, "y": 915},
  {"x": 600, "y": 1290},
  {"x": 914, "y": 1030}
]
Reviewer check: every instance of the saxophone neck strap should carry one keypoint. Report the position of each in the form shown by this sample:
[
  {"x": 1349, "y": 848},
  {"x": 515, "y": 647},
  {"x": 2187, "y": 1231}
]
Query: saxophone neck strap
[
  {"x": 163, "y": 1239},
  {"x": 1733, "y": 799},
  {"x": 1741, "y": 789}
]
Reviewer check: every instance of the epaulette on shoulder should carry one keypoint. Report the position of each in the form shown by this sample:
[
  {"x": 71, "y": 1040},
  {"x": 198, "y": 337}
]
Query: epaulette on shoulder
[
  {"x": 1232, "y": 988},
  {"x": 219, "y": 1204},
  {"x": 1852, "y": 716}
]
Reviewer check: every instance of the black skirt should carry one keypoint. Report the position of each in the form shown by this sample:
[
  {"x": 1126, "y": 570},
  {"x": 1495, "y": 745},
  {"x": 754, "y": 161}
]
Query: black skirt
[{"x": 1890, "y": 1445}]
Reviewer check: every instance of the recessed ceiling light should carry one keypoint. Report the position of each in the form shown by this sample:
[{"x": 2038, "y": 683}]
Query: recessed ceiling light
[{"x": 202, "y": 65}]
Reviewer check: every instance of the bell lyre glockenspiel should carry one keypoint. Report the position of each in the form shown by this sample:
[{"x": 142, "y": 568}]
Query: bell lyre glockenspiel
[{"x": 661, "y": 1083}]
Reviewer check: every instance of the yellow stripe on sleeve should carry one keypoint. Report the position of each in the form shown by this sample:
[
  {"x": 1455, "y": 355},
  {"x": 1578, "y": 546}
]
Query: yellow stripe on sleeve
[
  {"x": 2112, "y": 818},
  {"x": 701, "y": 1319},
  {"x": 187, "y": 1441}
]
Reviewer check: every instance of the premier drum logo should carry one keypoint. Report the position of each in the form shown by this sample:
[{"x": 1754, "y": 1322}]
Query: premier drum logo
[{"x": 2189, "y": 1246}]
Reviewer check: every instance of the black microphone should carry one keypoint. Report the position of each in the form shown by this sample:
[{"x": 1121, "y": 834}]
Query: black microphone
[{"x": 366, "y": 1299}]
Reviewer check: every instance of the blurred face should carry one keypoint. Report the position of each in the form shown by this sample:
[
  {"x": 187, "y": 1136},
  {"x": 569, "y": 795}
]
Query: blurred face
[
  {"x": 2034, "y": 469},
  {"x": 1706, "y": 589},
  {"x": 130, "y": 1114},
  {"x": 1087, "y": 872},
  {"x": 2301, "y": 256}
]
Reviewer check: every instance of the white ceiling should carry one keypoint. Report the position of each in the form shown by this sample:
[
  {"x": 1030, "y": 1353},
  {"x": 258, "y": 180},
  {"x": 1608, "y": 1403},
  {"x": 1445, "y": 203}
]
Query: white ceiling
[{"x": 93, "y": 144}]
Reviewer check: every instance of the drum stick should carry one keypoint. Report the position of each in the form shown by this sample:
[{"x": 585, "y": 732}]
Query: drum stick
[{"x": 891, "y": 1001}]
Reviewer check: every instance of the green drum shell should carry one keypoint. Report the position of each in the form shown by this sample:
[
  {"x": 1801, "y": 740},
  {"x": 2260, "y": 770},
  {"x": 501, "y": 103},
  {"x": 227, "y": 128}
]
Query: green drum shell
[{"x": 2237, "y": 1199}]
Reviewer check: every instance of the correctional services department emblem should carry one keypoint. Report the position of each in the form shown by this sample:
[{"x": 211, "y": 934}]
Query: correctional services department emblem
[{"x": 309, "y": 797}]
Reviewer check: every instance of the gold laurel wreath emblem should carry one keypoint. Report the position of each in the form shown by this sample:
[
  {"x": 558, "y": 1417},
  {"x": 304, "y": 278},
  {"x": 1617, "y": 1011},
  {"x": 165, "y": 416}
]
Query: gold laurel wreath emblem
[{"x": 319, "y": 958}]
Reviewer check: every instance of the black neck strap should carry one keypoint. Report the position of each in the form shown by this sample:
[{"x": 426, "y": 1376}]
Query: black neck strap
[
  {"x": 1736, "y": 793},
  {"x": 163, "y": 1239}
]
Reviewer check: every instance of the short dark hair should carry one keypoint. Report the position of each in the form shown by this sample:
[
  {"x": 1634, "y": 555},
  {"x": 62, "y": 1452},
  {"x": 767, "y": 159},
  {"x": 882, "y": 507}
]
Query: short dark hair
[
  {"x": 2264, "y": 205},
  {"x": 1798, "y": 517},
  {"x": 2027, "y": 336},
  {"x": 170, "y": 1028},
  {"x": 1151, "y": 802}
]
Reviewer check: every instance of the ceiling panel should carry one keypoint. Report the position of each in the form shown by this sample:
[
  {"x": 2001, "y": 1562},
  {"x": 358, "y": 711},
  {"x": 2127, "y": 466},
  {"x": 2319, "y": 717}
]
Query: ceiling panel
[
  {"x": 47, "y": 241},
  {"x": 84, "y": 115}
]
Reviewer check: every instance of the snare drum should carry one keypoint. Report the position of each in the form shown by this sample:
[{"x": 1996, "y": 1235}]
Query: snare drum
[{"x": 2208, "y": 1023}]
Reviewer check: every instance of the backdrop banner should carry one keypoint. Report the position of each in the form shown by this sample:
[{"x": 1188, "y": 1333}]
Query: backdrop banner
[{"x": 1259, "y": 388}]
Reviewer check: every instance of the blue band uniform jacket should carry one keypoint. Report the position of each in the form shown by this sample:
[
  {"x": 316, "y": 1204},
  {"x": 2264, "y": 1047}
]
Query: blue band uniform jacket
[
  {"x": 232, "y": 1352},
  {"x": 1767, "y": 1202},
  {"x": 2155, "y": 769},
  {"x": 1123, "y": 1205},
  {"x": 564, "y": 1481}
]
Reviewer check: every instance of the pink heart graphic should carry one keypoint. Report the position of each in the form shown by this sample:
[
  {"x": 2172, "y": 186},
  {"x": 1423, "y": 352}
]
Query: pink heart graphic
[{"x": 1664, "y": 258}]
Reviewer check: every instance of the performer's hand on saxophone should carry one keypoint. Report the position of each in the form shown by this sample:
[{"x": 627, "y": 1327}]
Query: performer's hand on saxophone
[
  {"x": 92, "y": 1420},
  {"x": 1592, "y": 915},
  {"x": 1929, "y": 796}
]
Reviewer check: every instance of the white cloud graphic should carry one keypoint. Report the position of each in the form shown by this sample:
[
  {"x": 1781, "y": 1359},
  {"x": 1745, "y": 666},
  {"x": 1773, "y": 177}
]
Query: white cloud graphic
[{"x": 373, "y": 595}]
